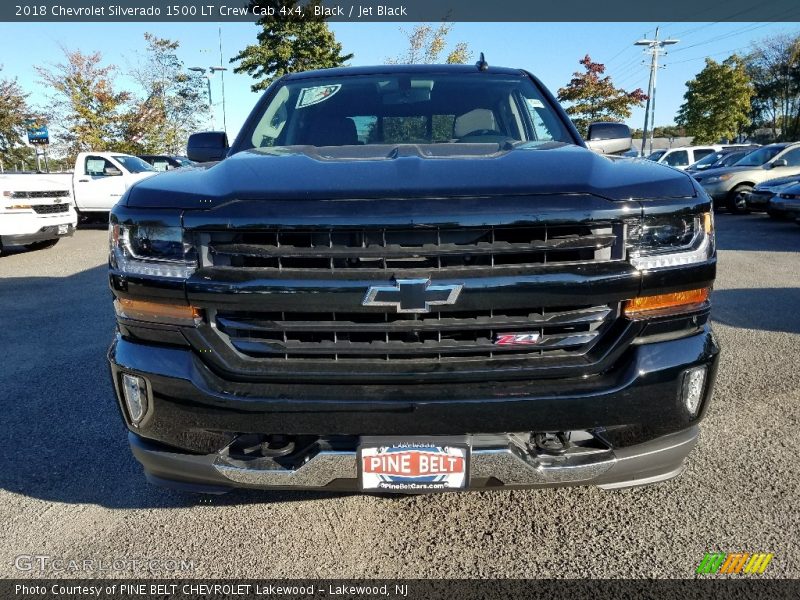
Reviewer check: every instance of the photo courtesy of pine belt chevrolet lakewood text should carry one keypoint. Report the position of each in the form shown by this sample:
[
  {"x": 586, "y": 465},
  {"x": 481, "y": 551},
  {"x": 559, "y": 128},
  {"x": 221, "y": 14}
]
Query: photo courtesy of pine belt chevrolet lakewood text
[{"x": 412, "y": 279}]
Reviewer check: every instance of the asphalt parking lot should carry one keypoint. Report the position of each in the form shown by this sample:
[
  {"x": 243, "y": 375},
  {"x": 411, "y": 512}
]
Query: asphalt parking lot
[{"x": 69, "y": 487}]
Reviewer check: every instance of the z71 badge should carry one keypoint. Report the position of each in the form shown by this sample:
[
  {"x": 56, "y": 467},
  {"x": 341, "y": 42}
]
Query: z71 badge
[{"x": 514, "y": 339}]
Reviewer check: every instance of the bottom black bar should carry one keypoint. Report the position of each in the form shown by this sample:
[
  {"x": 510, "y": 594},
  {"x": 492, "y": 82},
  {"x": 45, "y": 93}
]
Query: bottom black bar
[{"x": 734, "y": 587}]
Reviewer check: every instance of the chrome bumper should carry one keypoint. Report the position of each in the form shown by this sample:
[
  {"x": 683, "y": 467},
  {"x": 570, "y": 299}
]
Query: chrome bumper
[{"x": 496, "y": 461}]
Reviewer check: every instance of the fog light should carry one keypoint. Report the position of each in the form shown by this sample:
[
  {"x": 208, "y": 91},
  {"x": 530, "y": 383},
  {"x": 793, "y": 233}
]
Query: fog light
[
  {"x": 693, "y": 385},
  {"x": 134, "y": 390}
]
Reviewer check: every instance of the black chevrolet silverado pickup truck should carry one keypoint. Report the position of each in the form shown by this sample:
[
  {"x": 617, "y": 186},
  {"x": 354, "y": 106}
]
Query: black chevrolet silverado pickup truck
[{"x": 412, "y": 279}]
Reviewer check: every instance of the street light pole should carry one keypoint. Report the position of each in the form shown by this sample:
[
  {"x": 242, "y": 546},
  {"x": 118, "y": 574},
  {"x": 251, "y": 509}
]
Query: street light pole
[
  {"x": 222, "y": 79},
  {"x": 655, "y": 48}
]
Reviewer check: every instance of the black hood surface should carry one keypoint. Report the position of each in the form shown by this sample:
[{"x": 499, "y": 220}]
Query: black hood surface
[{"x": 410, "y": 171}]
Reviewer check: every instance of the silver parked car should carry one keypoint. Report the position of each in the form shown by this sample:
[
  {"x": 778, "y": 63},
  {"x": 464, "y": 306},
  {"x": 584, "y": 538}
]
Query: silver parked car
[
  {"x": 787, "y": 202},
  {"x": 731, "y": 186}
]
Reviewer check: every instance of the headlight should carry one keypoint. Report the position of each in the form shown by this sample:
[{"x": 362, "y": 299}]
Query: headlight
[
  {"x": 151, "y": 249},
  {"x": 658, "y": 242},
  {"x": 718, "y": 178}
]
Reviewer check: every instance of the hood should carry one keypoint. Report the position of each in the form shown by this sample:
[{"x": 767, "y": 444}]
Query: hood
[
  {"x": 34, "y": 182},
  {"x": 410, "y": 171},
  {"x": 708, "y": 173},
  {"x": 778, "y": 182}
]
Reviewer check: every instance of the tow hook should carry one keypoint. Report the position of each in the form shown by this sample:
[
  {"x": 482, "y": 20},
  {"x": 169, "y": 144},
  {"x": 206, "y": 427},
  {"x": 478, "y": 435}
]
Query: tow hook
[{"x": 551, "y": 442}]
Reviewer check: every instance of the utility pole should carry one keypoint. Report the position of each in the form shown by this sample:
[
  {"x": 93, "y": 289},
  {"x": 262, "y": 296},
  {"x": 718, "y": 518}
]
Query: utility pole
[
  {"x": 655, "y": 48},
  {"x": 222, "y": 77}
]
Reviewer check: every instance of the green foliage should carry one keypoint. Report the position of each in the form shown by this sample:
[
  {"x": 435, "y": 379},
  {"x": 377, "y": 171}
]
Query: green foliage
[
  {"x": 287, "y": 45},
  {"x": 662, "y": 131},
  {"x": 593, "y": 97},
  {"x": 426, "y": 44},
  {"x": 13, "y": 112},
  {"x": 717, "y": 101},
  {"x": 173, "y": 102},
  {"x": 86, "y": 110}
]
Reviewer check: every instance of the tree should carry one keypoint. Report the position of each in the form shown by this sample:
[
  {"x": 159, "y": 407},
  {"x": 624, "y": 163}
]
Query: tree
[
  {"x": 426, "y": 44},
  {"x": 287, "y": 44},
  {"x": 593, "y": 97},
  {"x": 88, "y": 112},
  {"x": 717, "y": 101},
  {"x": 774, "y": 69},
  {"x": 173, "y": 103},
  {"x": 13, "y": 113}
]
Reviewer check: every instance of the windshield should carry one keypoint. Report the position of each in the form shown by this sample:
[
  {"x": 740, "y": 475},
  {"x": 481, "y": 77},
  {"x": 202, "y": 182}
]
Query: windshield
[
  {"x": 133, "y": 164},
  {"x": 759, "y": 157},
  {"x": 656, "y": 155},
  {"x": 407, "y": 109},
  {"x": 707, "y": 161}
]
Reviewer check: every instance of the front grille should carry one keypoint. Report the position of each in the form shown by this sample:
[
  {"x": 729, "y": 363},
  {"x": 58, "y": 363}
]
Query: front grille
[
  {"x": 430, "y": 248},
  {"x": 49, "y": 209},
  {"x": 452, "y": 335},
  {"x": 46, "y": 194}
]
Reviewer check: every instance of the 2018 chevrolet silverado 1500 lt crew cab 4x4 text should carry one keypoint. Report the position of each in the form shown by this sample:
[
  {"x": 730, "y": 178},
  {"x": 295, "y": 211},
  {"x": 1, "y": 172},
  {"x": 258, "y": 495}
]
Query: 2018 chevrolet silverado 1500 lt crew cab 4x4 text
[
  {"x": 34, "y": 212},
  {"x": 412, "y": 279}
]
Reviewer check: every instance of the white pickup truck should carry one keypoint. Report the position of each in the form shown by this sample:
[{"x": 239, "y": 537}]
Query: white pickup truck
[
  {"x": 35, "y": 212},
  {"x": 99, "y": 179}
]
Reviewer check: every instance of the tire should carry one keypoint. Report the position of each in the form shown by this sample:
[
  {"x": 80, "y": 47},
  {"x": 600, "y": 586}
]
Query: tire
[
  {"x": 42, "y": 245},
  {"x": 737, "y": 199}
]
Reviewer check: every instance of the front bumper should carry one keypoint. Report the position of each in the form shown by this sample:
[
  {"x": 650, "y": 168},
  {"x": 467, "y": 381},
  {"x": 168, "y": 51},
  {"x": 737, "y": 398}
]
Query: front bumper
[
  {"x": 495, "y": 462},
  {"x": 759, "y": 200},
  {"x": 718, "y": 191},
  {"x": 27, "y": 228},
  {"x": 194, "y": 416}
]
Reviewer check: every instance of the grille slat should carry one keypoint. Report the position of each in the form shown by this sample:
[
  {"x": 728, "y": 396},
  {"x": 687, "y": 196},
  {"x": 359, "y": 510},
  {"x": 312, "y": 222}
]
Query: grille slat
[
  {"x": 434, "y": 248},
  {"x": 45, "y": 194},
  {"x": 372, "y": 335},
  {"x": 344, "y": 348},
  {"x": 396, "y": 251},
  {"x": 49, "y": 209},
  {"x": 595, "y": 314}
]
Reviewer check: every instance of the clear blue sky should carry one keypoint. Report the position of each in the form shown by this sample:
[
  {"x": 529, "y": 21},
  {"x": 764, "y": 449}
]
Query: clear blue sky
[{"x": 550, "y": 50}]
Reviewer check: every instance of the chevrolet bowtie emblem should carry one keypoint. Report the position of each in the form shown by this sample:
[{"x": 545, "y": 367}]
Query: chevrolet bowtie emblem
[{"x": 412, "y": 295}]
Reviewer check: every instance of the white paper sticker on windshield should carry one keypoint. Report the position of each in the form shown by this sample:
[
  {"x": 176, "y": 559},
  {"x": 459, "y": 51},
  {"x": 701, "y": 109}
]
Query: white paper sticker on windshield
[
  {"x": 534, "y": 103},
  {"x": 315, "y": 95}
]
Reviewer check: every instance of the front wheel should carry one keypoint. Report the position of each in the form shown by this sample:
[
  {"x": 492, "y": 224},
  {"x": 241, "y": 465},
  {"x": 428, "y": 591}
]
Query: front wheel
[
  {"x": 42, "y": 245},
  {"x": 737, "y": 199}
]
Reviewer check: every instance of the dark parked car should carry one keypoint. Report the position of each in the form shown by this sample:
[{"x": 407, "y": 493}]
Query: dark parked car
[
  {"x": 760, "y": 198},
  {"x": 412, "y": 279},
  {"x": 166, "y": 162},
  {"x": 723, "y": 158}
]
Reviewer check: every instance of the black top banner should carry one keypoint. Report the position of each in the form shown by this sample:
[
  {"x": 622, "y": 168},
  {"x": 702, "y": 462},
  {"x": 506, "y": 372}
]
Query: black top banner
[{"x": 400, "y": 10}]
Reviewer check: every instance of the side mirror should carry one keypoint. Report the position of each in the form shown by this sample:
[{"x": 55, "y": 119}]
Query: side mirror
[
  {"x": 780, "y": 162},
  {"x": 208, "y": 146},
  {"x": 111, "y": 172},
  {"x": 609, "y": 138}
]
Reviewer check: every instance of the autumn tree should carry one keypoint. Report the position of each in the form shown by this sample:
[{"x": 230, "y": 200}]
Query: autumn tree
[
  {"x": 774, "y": 69},
  {"x": 13, "y": 113},
  {"x": 287, "y": 44},
  {"x": 717, "y": 101},
  {"x": 85, "y": 108},
  {"x": 426, "y": 44},
  {"x": 592, "y": 97},
  {"x": 172, "y": 103}
]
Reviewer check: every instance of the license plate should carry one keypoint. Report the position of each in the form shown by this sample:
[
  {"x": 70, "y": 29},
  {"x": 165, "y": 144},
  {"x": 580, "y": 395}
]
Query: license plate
[
  {"x": 410, "y": 466},
  {"x": 63, "y": 229}
]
